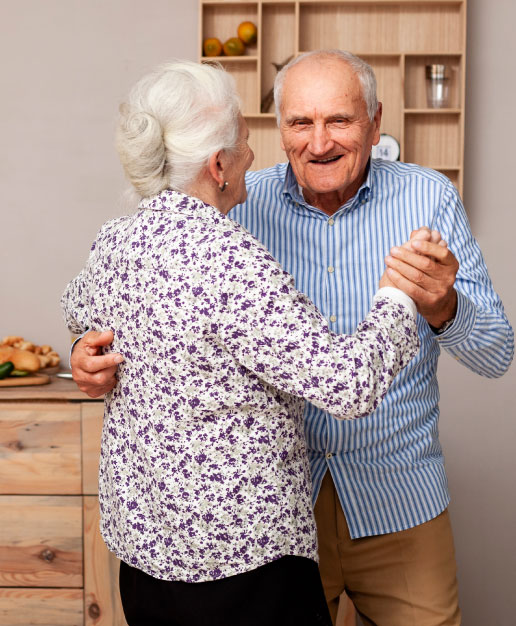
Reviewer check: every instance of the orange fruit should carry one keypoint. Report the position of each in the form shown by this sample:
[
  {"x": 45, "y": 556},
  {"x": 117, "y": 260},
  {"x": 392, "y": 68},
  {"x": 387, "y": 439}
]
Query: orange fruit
[
  {"x": 212, "y": 47},
  {"x": 233, "y": 47},
  {"x": 247, "y": 32}
]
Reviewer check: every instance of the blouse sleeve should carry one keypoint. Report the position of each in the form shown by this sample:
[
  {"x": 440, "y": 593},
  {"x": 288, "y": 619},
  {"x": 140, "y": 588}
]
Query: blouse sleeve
[
  {"x": 75, "y": 299},
  {"x": 277, "y": 333}
]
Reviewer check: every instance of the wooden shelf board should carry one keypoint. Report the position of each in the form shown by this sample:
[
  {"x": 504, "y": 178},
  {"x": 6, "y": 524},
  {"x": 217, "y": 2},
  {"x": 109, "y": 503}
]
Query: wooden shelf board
[
  {"x": 432, "y": 54},
  {"x": 368, "y": 54},
  {"x": 439, "y": 168},
  {"x": 375, "y": 2},
  {"x": 225, "y": 59},
  {"x": 302, "y": 2},
  {"x": 271, "y": 116},
  {"x": 431, "y": 111}
]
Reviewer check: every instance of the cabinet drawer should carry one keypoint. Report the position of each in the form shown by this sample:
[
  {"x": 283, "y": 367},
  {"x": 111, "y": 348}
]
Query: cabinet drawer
[
  {"x": 41, "y": 607},
  {"x": 41, "y": 541},
  {"x": 40, "y": 448}
]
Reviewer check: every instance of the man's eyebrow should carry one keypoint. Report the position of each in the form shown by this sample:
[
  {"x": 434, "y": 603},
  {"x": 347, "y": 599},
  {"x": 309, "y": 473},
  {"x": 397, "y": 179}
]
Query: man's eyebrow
[{"x": 294, "y": 117}]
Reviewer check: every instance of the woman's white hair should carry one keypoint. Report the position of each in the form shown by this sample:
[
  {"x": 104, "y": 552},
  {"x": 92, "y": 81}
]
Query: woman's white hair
[
  {"x": 363, "y": 70},
  {"x": 174, "y": 119}
]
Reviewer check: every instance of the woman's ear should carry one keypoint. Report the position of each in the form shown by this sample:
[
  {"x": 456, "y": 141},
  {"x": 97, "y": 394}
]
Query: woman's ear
[{"x": 216, "y": 167}]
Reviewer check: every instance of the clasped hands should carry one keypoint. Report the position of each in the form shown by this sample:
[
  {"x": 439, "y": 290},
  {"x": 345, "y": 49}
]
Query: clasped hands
[{"x": 423, "y": 267}]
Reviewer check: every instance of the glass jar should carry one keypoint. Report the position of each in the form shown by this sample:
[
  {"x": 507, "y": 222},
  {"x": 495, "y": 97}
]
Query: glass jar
[{"x": 437, "y": 86}]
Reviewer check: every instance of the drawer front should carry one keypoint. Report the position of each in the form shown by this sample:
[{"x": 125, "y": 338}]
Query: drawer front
[
  {"x": 41, "y": 541},
  {"x": 92, "y": 417},
  {"x": 40, "y": 448},
  {"x": 102, "y": 605},
  {"x": 41, "y": 607}
]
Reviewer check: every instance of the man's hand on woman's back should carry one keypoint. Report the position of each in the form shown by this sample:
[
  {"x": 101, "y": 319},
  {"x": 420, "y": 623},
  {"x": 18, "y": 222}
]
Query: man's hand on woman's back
[{"x": 93, "y": 371}]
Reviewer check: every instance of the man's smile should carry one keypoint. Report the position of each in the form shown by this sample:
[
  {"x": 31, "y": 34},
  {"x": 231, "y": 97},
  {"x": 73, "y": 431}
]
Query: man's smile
[{"x": 327, "y": 160}]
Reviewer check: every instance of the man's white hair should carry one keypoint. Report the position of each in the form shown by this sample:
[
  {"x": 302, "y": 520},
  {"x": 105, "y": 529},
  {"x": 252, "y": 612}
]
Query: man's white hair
[{"x": 363, "y": 70}]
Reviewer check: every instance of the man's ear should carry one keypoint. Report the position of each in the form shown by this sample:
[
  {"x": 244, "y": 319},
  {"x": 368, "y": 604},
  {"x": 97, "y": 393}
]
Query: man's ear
[
  {"x": 377, "y": 121},
  {"x": 216, "y": 167}
]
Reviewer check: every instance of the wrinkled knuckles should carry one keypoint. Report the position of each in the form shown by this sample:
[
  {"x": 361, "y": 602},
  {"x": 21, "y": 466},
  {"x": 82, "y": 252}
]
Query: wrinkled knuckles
[
  {"x": 427, "y": 265},
  {"x": 419, "y": 278}
]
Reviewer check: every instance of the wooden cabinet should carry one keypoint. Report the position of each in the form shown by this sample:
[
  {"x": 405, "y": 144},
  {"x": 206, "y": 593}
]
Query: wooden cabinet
[
  {"x": 398, "y": 38},
  {"x": 54, "y": 566}
]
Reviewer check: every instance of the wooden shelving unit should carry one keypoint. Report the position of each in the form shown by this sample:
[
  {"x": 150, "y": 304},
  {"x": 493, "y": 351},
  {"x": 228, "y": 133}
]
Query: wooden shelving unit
[{"x": 398, "y": 38}]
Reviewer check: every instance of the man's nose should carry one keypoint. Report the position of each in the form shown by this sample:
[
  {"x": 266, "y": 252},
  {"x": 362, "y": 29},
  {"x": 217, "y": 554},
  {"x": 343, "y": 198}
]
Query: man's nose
[{"x": 321, "y": 140}]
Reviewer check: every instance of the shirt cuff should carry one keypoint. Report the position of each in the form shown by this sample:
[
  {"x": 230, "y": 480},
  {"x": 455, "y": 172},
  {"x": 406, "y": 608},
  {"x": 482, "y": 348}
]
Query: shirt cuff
[
  {"x": 73, "y": 346},
  {"x": 398, "y": 296},
  {"x": 463, "y": 323}
]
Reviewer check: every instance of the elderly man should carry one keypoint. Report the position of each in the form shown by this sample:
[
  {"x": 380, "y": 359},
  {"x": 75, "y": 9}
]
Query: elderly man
[{"x": 330, "y": 216}]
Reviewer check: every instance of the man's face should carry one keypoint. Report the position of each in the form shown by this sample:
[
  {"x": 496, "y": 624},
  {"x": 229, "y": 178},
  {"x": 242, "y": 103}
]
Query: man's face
[{"x": 325, "y": 130}]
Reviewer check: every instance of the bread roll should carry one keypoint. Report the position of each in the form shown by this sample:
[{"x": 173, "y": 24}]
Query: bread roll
[
  {"x": 21, "y": 359},
  {"x": 5, "y": 353}
]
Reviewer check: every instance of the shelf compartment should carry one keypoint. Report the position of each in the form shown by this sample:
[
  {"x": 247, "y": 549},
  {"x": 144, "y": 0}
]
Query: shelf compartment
[
  {"x": 405, "y": 27},
  {"x": 434, "y": 28},
  {"x": 347, "y": 27},
  {"x": 431, "y": 139},
  {"x": 453, "y": 173},
  {"x": 221, "y": 20},
  {"x": 264, "y": 139},
  {"x": 279, "y": 30},
  {"x": 244, "y": 74},
  {"x": 389, "y": 90},
  {"x": 415, "y": 79}
]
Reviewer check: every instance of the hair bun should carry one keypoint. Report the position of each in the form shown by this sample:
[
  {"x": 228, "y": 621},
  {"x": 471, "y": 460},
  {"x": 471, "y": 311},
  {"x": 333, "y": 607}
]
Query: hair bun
[{"x": 142, "y": 150}]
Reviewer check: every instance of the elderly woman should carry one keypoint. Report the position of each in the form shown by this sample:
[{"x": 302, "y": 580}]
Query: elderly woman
[{"x": 204, "y": 482}]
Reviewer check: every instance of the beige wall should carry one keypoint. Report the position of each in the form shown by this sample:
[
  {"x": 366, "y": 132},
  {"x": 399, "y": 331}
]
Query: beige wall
[
  {"x": 478, "y": 416},
  {"x": 67, "y": 64}
]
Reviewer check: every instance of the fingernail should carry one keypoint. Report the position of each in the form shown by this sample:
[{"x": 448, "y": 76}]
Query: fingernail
[
  {"x": 395, "y": 249},
  {"x": 417, "y": 243},
  {"x": 119, "y": 358}
]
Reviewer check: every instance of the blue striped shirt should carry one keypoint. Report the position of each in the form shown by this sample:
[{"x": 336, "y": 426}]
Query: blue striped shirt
[{"x": 388, "y": 468}]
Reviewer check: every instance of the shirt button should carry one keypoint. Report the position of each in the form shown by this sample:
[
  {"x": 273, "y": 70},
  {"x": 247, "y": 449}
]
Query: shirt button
[
  {"x": 331, "y": 269},
  {"x": 333, "y": 318},
  {"x": 331, "y": 221},
  {"x": 329, "y": 455},
  {"x": 364, "y": 201}
]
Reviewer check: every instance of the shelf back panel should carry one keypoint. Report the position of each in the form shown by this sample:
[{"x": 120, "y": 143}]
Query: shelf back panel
[
  {"x": 264, "y": 139},
  {"x": 433, "y": 140},
  {"x": 375, "y": 28},
  {"x": 278, "y": 37}
]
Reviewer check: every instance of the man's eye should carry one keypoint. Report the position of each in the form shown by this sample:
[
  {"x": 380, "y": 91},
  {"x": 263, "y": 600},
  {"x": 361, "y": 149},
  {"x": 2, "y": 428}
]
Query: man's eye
[{"x": 301, "y": 123}]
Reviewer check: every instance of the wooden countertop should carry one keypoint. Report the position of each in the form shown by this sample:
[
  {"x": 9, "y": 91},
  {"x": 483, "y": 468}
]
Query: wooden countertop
[{"x": 56, "y": 389}]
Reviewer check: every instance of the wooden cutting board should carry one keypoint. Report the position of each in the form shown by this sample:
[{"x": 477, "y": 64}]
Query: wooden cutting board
[{"x": 25, "y": 381}]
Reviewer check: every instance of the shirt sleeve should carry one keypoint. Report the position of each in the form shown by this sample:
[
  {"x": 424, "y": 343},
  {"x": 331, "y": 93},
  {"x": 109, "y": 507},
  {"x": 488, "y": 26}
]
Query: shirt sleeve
[
  {"x": 481, "y": 337},
  {"x": 278, "y": 334}
]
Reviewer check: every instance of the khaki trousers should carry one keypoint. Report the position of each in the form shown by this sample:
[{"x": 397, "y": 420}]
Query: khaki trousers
[{"x": 407, "y": 578}]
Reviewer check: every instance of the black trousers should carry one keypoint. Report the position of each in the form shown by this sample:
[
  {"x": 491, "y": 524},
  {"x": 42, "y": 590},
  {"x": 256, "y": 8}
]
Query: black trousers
[{"x": 286, "y": 592}]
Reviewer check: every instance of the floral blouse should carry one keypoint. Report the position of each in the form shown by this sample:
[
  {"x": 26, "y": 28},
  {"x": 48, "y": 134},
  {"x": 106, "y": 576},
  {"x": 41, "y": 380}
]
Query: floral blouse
[{"x": 203, "y": 469}]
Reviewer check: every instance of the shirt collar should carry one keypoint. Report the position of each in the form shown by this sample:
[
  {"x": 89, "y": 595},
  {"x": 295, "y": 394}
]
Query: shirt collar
[{"x": 292, "y": 188}]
